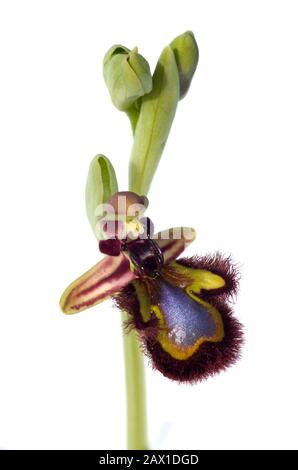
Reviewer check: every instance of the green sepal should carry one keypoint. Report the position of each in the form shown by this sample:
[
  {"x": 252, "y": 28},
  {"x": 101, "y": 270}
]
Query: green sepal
[{"x": 101, "y": 185}]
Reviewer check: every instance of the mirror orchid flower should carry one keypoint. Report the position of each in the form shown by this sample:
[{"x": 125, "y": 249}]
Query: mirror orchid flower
[{"x": 178, "y": 306}]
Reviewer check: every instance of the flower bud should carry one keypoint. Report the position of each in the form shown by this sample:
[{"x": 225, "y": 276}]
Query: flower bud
[
  {"x": 127, "y": 76},
  {"x": 186, "y": 54},
  {"x": 101, "y": 185}
]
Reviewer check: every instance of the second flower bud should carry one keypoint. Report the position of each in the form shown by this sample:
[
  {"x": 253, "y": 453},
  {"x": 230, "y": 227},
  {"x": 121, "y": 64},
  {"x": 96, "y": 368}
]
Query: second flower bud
[{"x": 127, "y": 76}]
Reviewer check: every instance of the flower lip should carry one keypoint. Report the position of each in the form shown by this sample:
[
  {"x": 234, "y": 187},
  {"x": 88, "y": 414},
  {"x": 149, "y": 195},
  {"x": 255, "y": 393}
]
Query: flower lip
[{"x": 188, "y": 331}]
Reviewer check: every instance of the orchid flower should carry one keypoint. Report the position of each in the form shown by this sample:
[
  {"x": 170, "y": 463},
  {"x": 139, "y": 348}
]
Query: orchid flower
[
  {"x": 177, "y": 310},
  {"x": 177, "y": 305}
]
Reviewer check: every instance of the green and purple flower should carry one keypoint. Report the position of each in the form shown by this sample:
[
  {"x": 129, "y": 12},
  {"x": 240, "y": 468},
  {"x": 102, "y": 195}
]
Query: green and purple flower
[{"x": 179, "y": 306}]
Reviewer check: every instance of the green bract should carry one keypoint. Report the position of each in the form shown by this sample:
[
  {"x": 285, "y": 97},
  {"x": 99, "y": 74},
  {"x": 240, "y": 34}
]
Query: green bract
[
  {"x": 153, "y": 126},
  {"x": 101, "y": 185},
  {"x": 127, "y": 76}
]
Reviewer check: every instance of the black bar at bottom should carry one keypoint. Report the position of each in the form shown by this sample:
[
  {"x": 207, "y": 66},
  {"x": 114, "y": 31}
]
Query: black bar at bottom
[{"x": 137, "y": 459}]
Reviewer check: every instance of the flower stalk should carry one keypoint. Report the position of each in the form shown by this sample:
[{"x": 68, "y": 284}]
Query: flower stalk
[{"x": 136, "y": 410}]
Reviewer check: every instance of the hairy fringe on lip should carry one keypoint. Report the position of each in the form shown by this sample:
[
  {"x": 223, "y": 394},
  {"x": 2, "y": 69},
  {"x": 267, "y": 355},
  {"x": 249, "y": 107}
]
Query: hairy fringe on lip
[
  {"x": 218, "y": 264},
  {"x": 208, "y": 360},
  {"x": 211, "y": 357}
]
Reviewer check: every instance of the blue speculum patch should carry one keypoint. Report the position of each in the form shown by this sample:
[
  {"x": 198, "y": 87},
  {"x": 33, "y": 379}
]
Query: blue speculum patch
[{"x": 186, "y": 319}]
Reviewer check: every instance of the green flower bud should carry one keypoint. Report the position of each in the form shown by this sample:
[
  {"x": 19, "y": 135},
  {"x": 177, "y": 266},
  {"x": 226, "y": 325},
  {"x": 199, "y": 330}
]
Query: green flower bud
[
  {"x": 101, "y": 185},
  {"x": 186, "y": 54},
  {"x": 127, "y": 76}
]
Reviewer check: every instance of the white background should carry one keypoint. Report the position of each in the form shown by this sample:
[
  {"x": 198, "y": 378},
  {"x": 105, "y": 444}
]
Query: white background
[{"x": 231, "y": 156}]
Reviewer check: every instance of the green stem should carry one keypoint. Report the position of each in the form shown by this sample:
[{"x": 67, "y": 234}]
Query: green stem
[{"x": 135, "y": 391}]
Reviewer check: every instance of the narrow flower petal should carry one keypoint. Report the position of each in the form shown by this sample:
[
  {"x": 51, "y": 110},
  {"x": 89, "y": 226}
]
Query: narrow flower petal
[
  {"x": 174, "y": 241},
  {"x": 108, "y": 276}
]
